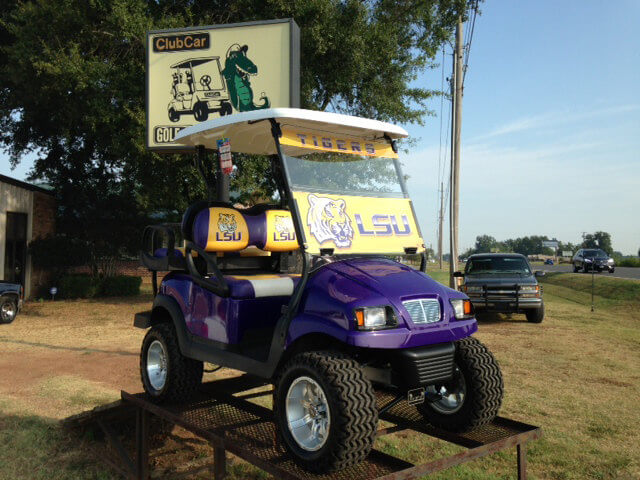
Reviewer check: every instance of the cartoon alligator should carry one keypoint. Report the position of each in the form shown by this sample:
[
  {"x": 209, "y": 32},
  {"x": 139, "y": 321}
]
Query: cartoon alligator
[{"x": 237, "y": 69}]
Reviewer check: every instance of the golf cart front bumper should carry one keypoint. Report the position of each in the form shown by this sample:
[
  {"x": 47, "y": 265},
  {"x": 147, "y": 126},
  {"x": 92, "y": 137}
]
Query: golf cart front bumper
[{"x": 422, "y": 366}]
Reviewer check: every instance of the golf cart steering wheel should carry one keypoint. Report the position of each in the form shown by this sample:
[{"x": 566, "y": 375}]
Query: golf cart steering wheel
[{"x": 205, "y": 81}]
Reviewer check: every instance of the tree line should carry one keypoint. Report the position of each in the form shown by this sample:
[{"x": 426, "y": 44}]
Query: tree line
[{"x": 532, "y": 245}]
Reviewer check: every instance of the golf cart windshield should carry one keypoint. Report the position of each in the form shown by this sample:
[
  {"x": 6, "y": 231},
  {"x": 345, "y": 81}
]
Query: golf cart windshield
[{"x": 345, "y": 174}]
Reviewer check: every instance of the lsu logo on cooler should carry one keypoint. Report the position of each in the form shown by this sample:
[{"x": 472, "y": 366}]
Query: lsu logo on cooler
[
  {"x": 227, "y": 228},
  {"x": 284, "y": 231}
]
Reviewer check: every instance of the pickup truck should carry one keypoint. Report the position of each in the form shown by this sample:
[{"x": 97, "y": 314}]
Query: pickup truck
[
  {"x": 503, "y": 282},
  {"x": 11, "y": 296}
]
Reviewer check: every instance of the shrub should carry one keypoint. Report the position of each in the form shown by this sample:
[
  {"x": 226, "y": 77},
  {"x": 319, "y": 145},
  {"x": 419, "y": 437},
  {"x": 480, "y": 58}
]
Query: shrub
[
  {"x": 78, "y": 286},
  {"x": 120, "y": 286},
  {"x": 629, "y": 262},
  {"x": 86, "y": 286}
]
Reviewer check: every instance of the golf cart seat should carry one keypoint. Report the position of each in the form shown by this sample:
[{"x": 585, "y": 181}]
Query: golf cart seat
[
  {"x": 259, "y": 286},
  {"x": 246, "y": 245}
]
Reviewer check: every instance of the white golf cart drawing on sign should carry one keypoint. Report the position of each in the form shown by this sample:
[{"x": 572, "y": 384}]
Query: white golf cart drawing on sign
[{"x": 198, "y": 89}]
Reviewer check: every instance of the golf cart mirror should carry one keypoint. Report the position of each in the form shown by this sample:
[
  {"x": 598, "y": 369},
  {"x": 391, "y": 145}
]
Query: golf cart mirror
[
  {"x": 539, "y": 273},
  {"x": 458, "y": 274}
]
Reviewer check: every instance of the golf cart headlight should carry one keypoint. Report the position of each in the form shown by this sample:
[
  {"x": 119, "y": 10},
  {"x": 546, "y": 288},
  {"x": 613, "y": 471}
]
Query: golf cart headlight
[
  {"x": 374, "y": 318},
  {"x": 462, "y": 308},
  {"x": 588, "y": 260}
]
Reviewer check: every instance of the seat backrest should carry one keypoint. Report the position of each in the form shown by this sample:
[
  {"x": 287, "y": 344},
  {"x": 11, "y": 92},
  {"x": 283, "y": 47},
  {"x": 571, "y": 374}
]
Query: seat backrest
[{"x": 224, "y": 229}]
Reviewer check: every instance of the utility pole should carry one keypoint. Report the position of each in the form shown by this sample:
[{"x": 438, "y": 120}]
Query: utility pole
[
  {"x": 456, "y": 123},
  {"x": 440, "y": 220}
]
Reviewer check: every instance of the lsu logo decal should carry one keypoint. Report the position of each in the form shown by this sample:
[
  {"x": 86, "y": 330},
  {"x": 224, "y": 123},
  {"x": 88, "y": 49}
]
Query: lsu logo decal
[
  {"x": 284, "y": 229},
  {"x": 328, "y": 221},
  {"x": 227, "y": 227},
  {"x": 383, "y": 226}
]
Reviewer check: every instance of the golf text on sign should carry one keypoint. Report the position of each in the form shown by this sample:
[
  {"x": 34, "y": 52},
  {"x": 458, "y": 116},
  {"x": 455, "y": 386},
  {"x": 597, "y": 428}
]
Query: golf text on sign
[
  {"x": 339, "y": 145},
  {"x": 178, "y": 43}
]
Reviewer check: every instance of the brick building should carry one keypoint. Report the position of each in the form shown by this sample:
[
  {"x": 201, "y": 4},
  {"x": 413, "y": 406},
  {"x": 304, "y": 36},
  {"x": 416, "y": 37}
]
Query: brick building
[{"x": 26, "y": 212}]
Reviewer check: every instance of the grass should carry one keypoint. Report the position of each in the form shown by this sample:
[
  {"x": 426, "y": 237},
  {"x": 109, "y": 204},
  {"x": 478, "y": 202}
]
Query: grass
[{"x": 575, "y": 375}]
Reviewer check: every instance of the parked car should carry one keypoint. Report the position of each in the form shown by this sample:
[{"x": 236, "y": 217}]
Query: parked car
[
  {"x": 11, "y": 296},
  {"x": 503, "y": 282},
  {"x": 348, "y": 319},
  {"x": 548, "y": 261},
  {"x": 593, "y": 259}
]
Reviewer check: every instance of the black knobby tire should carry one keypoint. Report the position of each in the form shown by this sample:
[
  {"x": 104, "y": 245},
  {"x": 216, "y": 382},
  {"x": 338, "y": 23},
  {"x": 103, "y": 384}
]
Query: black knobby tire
[
  {"x": 352, "y": 407},
  {"x": 174, "y": 116},
  {"x": 200, "y": 111},
  {"x": 575, "y": 268},
  {"x": 8, "y": 309},
  {"x": 484, "y": 390},
  {"x": 184, "y": 375},
  {"x": 612, "y": 270},
  {"x": 535, "y": 315}
]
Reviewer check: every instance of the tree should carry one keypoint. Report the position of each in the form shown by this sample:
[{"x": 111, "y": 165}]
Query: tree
[
  {"x": 600, "y": 240},
  {"x": 485, "y": 243},
  {"x": 72, "y": 83}
]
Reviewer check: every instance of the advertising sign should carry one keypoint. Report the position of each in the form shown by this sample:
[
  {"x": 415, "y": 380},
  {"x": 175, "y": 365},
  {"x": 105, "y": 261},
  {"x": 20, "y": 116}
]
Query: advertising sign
[
  {"x": 329, "y": 143},
  {"x": 550, "y": 244},
  {"x": 196, "y": 74},
  {"x": 355, "y": 224}
]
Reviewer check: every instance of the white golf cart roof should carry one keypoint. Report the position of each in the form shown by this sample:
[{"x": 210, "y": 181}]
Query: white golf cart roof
[{"x": 250, "y": 132}]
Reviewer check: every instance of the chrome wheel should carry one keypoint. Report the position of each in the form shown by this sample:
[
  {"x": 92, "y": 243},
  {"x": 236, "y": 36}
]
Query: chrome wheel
[
  {"x": 308, "y": 416},
  {"x": 8, "y": 311},
  {"x": 157, "y": 365},
  {"x": 451, "y": 396}
]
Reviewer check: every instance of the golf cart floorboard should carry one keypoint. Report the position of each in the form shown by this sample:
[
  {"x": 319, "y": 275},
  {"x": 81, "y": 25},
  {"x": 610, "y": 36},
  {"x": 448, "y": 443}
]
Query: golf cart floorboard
[{"x": 223, "y": 418}]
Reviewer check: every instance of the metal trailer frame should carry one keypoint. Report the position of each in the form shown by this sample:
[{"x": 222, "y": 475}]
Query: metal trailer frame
[{"x": 223, "y": 416}]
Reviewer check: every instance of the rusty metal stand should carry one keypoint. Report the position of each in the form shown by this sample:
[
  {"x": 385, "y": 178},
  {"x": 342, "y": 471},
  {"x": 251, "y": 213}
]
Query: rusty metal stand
[{"x": 224, "y": 417}]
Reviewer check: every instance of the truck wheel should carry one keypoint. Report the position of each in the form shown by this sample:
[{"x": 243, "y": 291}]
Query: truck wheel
[
  {"x": 325, "y": 411},
  {"x": 535, "y": 315},
  {"x": 200, "y": 111},
  {"x": 474, "y": 395},
  {"x": 167, "y": 375},
  {"x": 8, "y": 309}
]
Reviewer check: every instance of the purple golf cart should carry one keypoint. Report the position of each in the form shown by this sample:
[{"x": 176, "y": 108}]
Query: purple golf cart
[{"x": 305, "y": 291}]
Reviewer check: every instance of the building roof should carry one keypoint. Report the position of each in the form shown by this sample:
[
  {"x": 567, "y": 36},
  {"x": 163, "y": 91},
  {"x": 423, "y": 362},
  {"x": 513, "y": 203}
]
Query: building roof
[
  {"x": 250, "y": 132},
  {"x": 27, "y": 186}
]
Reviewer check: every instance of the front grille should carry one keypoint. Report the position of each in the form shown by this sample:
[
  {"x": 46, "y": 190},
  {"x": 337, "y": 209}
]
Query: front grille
[
  {"x": 425, "y": 365},
  {"x": 432, "y": 369},
  {"x": 424, "y": 310}
]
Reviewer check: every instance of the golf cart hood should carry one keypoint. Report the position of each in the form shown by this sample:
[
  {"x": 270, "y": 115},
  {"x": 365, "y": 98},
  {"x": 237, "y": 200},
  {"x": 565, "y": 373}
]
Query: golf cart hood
[{"x": 336, "y": 289}]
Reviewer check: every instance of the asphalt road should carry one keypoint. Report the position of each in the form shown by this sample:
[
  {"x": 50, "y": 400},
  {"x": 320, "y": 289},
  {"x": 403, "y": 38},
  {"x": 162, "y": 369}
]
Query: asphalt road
[{"x": 620, "y": 272}]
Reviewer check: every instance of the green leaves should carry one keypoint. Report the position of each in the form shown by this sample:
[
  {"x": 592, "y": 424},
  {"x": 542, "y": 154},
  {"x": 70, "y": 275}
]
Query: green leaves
[{"x": 72, "y": 89}]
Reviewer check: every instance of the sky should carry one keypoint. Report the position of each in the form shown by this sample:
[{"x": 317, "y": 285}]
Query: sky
[{"x": 550, "y": 126}]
